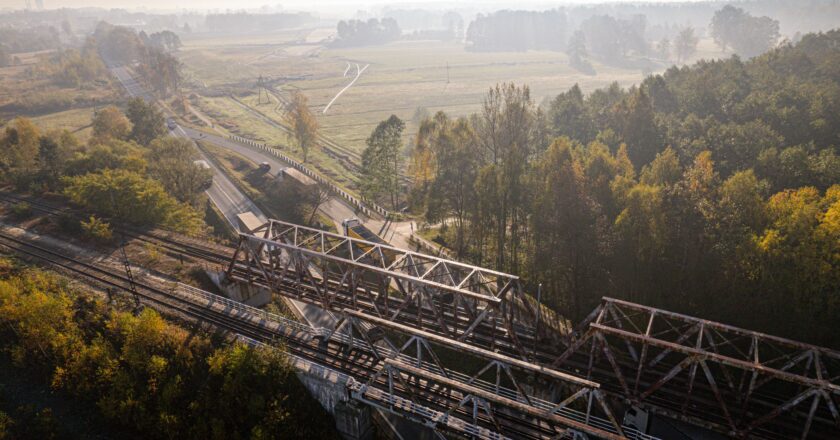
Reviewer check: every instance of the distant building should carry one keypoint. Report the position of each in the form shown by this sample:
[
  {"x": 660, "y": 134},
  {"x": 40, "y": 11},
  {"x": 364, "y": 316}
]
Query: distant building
[{"x": 39, "y": 4}]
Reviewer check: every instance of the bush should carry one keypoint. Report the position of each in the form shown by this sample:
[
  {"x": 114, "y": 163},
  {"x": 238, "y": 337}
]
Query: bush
[
  {"x": 97, "y": 229},
  {"x": 22, "y": 210},
  {"x": 69, "y": 224},
  {"x": 131, "y": 197}
]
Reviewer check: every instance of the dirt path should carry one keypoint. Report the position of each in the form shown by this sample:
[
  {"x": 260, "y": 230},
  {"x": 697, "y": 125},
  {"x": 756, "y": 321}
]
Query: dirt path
[{"x": 358, "y": 75}]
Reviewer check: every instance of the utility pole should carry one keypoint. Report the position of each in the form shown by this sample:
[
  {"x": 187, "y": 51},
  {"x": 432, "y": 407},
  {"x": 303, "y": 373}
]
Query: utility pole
[
  {"x": 132, "y": 285},
  {"x": 261, "y": 87},
  {"x": 447, "y": 72},
  {"x": 539, "y": 313}
]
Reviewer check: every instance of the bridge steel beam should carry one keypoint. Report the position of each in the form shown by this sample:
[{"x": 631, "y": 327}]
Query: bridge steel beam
[
  {"x": 735, "y": 381},
  {"x": 566, "y": 403},
  {"x": 460, "y": 301}
]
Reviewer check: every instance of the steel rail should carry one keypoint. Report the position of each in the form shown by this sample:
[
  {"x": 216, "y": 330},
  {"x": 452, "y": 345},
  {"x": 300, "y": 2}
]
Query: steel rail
[{"x": 247, "y": 328}]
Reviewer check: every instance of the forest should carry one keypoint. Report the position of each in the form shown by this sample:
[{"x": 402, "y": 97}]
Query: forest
[
  {"x": 710, "y": 189},
  {"x": 363, "y": 33},
  {"x": 129, "y": 171},
  {"x": 617, "y": 40},
  {"x": 145, "y": 377}
]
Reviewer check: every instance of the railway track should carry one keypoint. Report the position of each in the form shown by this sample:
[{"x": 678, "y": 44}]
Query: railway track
[
  {"x": 200, "y": 252},
  {"x": 334, "y": 353},
  {"x": 488, "y": 335}
]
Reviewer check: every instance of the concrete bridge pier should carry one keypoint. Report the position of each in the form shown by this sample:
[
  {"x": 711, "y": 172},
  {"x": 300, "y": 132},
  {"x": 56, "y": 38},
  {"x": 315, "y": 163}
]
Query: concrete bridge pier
[{"x": 353, "y": 419}]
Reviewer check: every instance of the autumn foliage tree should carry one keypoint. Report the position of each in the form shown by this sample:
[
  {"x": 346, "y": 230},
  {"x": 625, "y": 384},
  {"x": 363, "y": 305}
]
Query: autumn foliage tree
[
  {"x": 147, "y": 122},
  {"x": 709, "y": 190},
  {"x": 171, "y": 162},
  {"x": 144, "y": 375},
  {"x": 304, "y": 126},
  {"x": 110, "y": 123},
  {"x": 131, "y": 198}
]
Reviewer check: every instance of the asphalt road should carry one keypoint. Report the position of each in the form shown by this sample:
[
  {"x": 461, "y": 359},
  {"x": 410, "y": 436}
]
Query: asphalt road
[
  {"x": 335, "y": 208},
  {"x": 230, "y": 201},
  {"x": 223, "y": 193}
]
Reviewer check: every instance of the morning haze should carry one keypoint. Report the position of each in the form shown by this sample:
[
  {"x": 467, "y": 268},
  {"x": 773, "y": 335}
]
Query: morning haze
[{"x": 420, "y": 219}]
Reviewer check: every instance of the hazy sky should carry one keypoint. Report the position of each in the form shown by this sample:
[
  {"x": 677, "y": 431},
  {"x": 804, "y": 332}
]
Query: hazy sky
[{"x": 324, "y": 5}]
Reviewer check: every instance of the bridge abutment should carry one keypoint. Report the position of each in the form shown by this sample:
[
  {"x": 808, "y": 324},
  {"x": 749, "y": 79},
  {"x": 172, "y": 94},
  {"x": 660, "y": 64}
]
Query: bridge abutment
[{"x": 352, "y": 418}]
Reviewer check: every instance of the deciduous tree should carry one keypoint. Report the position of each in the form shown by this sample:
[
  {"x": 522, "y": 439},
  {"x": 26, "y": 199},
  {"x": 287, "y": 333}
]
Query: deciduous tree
[
  {"x": 110, "y": 123},
  {"x": 303, "y": 123},
  {"x": 382, "y": 159},
  {"x": 685, "y": 45},
  {"x": 171, "y": 161},
  {"x": 147, "y": 122},
  {"x": 747, "y": 35}
]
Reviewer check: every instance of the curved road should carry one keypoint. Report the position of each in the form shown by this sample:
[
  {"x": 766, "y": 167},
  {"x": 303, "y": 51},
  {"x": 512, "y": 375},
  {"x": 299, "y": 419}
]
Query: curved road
[{"x": 230, "y": 201}]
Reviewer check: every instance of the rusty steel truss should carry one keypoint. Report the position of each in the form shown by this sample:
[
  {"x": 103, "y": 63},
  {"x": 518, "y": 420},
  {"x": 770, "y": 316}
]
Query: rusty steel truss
[
  {"x": 456, "y": 300},
  {"x": 738, "y": 382},
  {"x": 490, "y": 390}
]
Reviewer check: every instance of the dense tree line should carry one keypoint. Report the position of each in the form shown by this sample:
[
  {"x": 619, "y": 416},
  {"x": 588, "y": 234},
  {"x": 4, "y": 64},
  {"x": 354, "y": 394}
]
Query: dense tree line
[
  {"x": 612, "y": 39},
  {"x": 157, "y": 67},
  {"x": 166, "y": 40},
  {"x": 241, "y": 22},
  {"x": 428, "y": 24},
  {"x": 143, "y": 374},
  {"x": 77, "y": 68},
  {"x": 710, "y": 190},
  {"x": 31, "y": 39},
  {"x": 129, "y": 171},
  {"x": 366, "y": 33},
  {"x": 518, "y": 31}
]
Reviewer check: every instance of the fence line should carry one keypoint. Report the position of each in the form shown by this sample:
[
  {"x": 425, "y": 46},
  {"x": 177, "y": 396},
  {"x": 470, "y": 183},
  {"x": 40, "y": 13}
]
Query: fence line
[{"x": 365, "y": 206}]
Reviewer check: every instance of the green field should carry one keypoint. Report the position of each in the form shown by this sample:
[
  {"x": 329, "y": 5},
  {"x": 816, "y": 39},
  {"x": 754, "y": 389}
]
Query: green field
[
  {"x": 77, "y": 121},
  {"x": 402, "y": 77},
  {"x": 26, "y": 90}
]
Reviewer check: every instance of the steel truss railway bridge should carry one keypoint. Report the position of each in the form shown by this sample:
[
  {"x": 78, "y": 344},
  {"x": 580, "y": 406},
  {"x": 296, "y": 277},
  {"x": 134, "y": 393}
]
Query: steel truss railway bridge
[
  {"x": 522, "y": 375},
  {"x": 406, "y": 320}
]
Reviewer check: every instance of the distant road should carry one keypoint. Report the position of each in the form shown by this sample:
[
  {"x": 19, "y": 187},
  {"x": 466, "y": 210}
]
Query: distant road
[
  {"x": 335, "y": 208},
  {"x": 230, "y": 201},
  {"x": 223, "y": 193}
]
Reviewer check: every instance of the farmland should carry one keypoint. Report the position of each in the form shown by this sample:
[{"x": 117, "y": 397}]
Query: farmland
[
  {"x": 406, "y": 78},
  {"x": 403, "y": 77}
]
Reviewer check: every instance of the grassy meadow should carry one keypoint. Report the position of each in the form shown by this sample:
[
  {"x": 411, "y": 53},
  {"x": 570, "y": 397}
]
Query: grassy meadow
[{"x": 402, "y": 76}]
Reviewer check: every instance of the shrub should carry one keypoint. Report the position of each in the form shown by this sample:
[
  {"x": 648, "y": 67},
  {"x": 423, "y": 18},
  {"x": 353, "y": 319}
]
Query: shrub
[
  {"x": 22, "y": 210},
  {"x": 97, "y": 229},
  {"x": 131, "y": 197}
]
